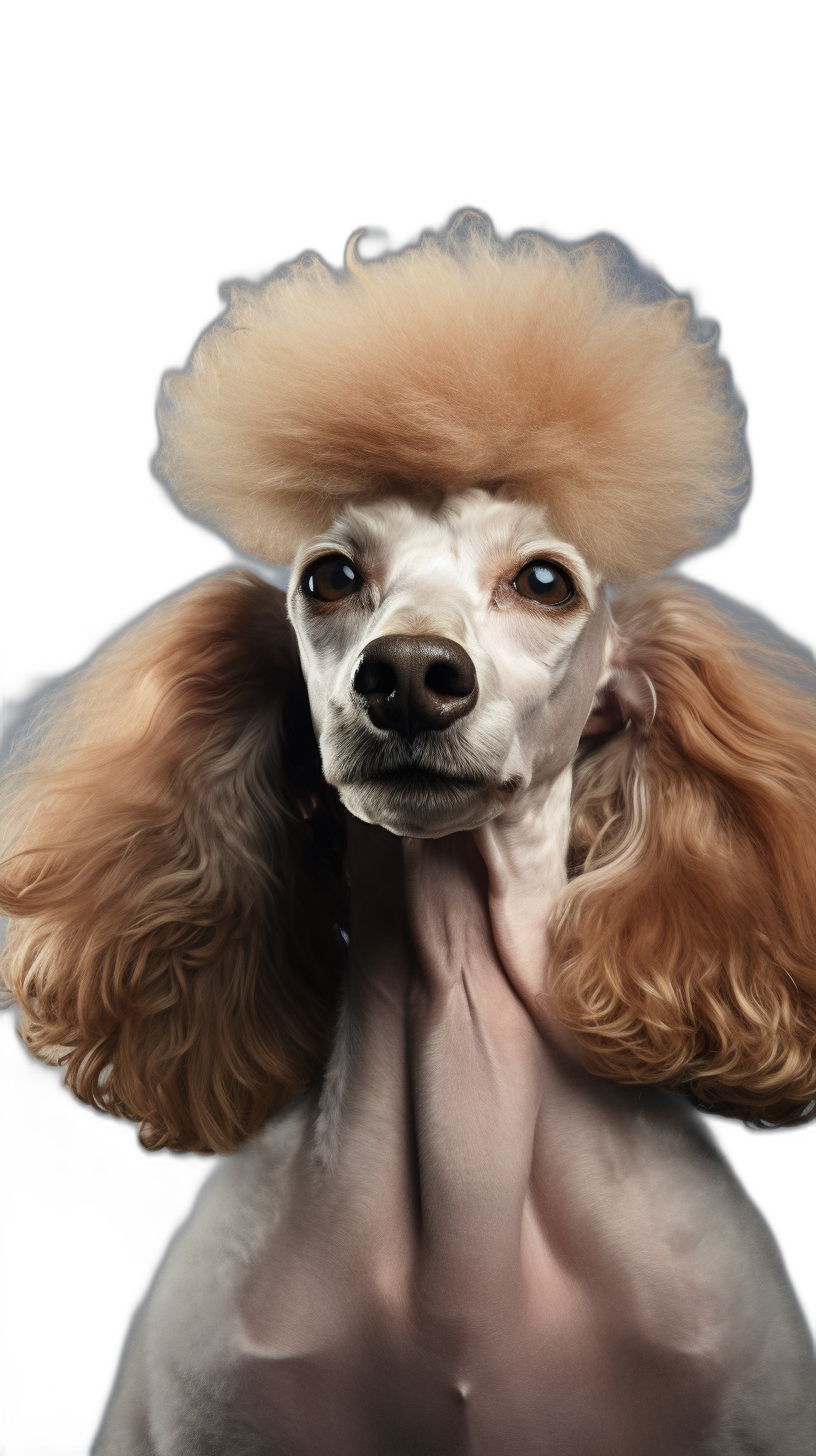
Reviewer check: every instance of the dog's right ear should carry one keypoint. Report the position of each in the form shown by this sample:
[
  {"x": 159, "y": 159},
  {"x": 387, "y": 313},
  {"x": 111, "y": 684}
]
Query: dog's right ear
[{"x": 172, "y": 873}]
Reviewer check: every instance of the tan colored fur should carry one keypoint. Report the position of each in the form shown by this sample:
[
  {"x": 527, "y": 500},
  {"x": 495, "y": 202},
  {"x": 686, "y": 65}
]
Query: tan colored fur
[
  {"x": 160, "y": 873},
  {"x": 463, "y": 361},
  {"x": 686, "y": 945}
]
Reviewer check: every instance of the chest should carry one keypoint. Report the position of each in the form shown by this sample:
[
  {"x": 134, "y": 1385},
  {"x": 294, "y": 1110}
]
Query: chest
[
  {"x": 604, "y": 1344},
  {"x": 636, "y": 1315}
]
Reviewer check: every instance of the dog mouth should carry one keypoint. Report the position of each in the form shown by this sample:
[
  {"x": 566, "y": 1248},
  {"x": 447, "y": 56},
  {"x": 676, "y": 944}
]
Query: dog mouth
[
  {"x": 421, "y": 785},
  {"x": 420, "y": 781},
  {"x": 431, "y": 762},
  {"x": 427, "y": 784},
  {"x": 433, "y": 785},
  {"x": 435, "y": 773}
]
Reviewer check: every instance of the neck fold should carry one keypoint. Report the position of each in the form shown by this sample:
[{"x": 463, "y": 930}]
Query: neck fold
[{"x": 431, "y": 1103}]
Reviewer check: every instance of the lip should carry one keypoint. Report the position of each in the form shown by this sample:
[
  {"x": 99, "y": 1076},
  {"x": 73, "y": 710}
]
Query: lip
[
  {"x": 425, "y": 777},
  {"x": 420, "y": 770},
  {"x": 414, "y": 779},
  {"x": 438, "y": 768}
]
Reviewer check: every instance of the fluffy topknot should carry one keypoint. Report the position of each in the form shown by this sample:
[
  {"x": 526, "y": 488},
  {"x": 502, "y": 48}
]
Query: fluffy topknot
[{"x": 462, "y": 361}]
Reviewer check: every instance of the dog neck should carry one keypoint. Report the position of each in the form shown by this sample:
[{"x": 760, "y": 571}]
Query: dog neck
[
  {"x": 445, "y": 1047},
  {"x": 430, "y": 912}
]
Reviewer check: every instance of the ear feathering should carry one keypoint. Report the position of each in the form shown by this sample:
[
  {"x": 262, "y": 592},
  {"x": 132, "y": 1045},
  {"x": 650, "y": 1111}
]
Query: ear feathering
[
  {"x": 169, "y": 873},
  {"x": 684, "y": 952},
  {"x": 462, "y": 361}
]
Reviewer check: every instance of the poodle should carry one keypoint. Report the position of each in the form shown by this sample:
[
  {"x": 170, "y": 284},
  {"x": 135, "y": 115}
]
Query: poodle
[{"x": 443, "y": 892}]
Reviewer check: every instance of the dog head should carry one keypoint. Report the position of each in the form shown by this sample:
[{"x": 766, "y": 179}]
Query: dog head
[{"x": 452, "y": 656}]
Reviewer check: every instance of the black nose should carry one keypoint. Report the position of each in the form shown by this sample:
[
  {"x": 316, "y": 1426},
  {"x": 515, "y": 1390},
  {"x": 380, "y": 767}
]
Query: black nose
[{"x": 416, "y": 684}]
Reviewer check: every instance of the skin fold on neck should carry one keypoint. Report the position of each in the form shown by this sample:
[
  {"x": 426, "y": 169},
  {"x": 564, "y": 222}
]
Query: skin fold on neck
[{"x": 430, "y": 1110}]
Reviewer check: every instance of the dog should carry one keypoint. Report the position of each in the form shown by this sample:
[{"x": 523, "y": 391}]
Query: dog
[{"x": 441, "y": 892}]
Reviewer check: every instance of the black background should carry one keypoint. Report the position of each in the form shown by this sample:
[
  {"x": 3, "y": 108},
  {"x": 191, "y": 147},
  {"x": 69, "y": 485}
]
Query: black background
[{"x": 123, "y": 235}]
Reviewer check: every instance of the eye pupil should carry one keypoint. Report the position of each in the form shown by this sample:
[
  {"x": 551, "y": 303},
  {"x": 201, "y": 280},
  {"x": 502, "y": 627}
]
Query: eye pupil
[
  {"x": 341, "y": 575},
  {"x": 543, "y": 581},
  {"x": 331, "y": 579}
]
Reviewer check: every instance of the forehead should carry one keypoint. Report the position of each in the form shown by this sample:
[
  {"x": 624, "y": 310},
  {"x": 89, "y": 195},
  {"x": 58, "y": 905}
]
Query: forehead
[{"x": 471, "y": 531}]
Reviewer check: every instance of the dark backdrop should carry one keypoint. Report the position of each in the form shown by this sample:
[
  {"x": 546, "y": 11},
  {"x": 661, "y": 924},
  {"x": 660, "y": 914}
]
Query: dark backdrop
[{"x": 124, "y": 238}]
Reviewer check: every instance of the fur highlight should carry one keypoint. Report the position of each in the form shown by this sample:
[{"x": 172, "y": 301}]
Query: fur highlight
[
  {"x": 166, "y": 840},
  {"x": 541, "y": 369},
  {"x": 684, "y": 953}
]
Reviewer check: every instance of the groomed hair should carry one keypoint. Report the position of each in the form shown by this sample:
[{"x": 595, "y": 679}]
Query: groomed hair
[
  {"x": 685, "y": 947},
  {"x": 462, "y": 361},
  {"x": 175, "y": 873}
]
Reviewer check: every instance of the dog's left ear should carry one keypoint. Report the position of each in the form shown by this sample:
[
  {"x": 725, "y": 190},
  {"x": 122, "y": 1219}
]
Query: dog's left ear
[
  {"x": 173, "y": 874},
  {"x": 684, "y": 952},
  {"x": 625, "y": 696}
]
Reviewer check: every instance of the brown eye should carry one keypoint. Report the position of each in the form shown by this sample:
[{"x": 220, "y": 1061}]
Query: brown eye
[
  {"x": 331, "y": 579},
  {"x": 543, "y": 581}
]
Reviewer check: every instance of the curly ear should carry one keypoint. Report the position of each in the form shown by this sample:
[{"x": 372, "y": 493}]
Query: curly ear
[
  {"x": 685, "y": 947},
  {"x": 173, "y": 875}
]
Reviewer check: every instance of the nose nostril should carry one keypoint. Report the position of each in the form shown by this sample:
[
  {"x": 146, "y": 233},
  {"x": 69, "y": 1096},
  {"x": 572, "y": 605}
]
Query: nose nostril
[
  {"x": 375, "y": 676},
  {"x": 446, "y": 680}
]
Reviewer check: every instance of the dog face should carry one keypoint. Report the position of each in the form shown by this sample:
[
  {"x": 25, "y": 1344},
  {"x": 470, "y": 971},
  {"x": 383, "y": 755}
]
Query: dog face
[{"x": 452, "y": 655}]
